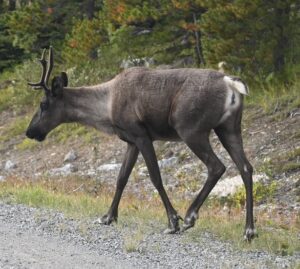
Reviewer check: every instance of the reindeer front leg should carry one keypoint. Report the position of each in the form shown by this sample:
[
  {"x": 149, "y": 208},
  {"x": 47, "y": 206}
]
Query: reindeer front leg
[
  {"x": 127, "y": 166},
  {"x": 146, "y": 147}
]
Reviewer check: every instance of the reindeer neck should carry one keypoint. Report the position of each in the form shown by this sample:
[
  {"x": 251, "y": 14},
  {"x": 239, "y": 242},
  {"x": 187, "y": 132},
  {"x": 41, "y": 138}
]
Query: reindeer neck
[{"x": 88, "y": 106}]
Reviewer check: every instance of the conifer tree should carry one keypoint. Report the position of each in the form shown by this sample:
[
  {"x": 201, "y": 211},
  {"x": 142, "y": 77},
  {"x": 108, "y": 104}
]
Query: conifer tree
[
  {"x": 253, "y": 36},
  {"x": 9, "y": 55},
  {"x": 167, "y": 31}
]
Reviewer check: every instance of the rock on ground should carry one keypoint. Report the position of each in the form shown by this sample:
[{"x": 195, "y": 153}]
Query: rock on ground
[
  {"x": 229, "y": 186},
  {"x": 9, "y": 165},
  {"x": 64, "y": 170},
  {"x": 109, "y": 167},
  {"x": 70, "y": 156}
]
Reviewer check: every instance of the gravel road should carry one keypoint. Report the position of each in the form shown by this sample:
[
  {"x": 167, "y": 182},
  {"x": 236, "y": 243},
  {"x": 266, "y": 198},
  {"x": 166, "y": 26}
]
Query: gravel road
[
  {"x": 25, "y": 249},
  {"x": 40, "y": 238}
]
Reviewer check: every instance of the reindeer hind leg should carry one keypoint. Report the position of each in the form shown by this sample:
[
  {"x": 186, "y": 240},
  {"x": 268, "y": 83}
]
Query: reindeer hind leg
[
  {"x": 232, "y": 141},
  {"x": 201, "y": 147}
]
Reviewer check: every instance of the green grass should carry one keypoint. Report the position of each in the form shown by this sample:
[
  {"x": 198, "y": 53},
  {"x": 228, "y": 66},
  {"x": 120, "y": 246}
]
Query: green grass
[
  {"x": 62, "y": 133},
  {"x": 276, "y": 99},
  {"x": 133, "y": 240},
  {"x": 27, "y": 144},
  {"x": 17, "y": 96},
  {"x": 15, "y": 128},
  {"x": 271, "y": 237},
  {"x": 59, "y": 135},
  {"x": 286, "y": 162},
  {"x": 76, "y": 198},
  {"x": 37, "y": 196},
  {"x": 261, "y": 191}
]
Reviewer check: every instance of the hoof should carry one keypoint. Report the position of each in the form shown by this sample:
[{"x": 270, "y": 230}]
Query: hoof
[
  {"x": 189, "y": 222},
  {"x": 250, "y": 234},
  {"x": 186, "y": 227},
  {"x": 173, "y": 225},
  {"x": 171, "y": 231},
  {"x": 106, "y": 220}
]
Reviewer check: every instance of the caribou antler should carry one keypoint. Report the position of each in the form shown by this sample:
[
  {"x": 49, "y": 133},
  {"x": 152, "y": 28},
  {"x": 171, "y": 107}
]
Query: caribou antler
[{"x": 45, "y": 73}]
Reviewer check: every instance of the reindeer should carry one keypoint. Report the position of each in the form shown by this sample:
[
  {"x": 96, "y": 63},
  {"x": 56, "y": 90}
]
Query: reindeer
[{"x": 142, "y": 105}]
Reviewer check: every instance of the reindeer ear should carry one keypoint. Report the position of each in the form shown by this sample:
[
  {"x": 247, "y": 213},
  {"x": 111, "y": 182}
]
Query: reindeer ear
[
  {"x": 57, "y": 86},
  {"x": 64, "y": 77}
]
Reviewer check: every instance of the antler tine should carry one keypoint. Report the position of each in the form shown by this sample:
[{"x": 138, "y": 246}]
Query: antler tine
[
  {"x": 50, "y": 67},
  {"x": 41, "y": 84}
]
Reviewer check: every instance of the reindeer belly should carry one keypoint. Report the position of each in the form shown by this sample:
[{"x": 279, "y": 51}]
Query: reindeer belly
[
  {"x": 161, "y": 132},
  {"x": 153, "y": 113}
]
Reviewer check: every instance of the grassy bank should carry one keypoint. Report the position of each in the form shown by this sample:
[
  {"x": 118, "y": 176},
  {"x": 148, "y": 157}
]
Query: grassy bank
[{"x": 87, "y": 199}]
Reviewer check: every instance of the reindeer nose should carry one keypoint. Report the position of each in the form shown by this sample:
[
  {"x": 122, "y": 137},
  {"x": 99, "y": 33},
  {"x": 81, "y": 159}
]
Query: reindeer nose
[
  {"x": 34, "y": 134},
  {"x": 29, "y": 134}
]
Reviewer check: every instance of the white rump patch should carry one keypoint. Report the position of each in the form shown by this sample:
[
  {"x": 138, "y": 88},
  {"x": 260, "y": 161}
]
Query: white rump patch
[
  {"x": 236, "y": 85},
  {"x": 232, "y": 102},
  {"x": 235, "y": 88}
]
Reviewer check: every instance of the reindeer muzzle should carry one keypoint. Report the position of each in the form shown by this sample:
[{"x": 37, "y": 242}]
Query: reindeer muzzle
[{"x": 35, "y": 135}]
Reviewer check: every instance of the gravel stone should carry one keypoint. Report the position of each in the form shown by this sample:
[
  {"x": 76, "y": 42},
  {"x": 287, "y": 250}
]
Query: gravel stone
[
  {"x": 9, "y": 165},
  {"x": 165, "y": 163},
  {"x": 70, "y": 156},
  {"x": 64, "y": 170},
  {"x": 109, "y": 167}
]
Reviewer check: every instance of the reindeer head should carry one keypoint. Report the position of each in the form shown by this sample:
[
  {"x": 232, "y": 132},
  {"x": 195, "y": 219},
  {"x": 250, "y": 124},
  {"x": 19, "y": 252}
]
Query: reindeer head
[{"x": 50, "y": 112}]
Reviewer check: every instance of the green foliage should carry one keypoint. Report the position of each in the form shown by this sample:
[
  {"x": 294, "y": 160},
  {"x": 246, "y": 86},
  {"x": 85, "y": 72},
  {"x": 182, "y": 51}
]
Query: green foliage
[
  {"x": 259, "y": 37},
  {"x": 37, "y": 25},
  {"x": 162, "y": 30},
  {"x": 84, "y": 40},
  {"x": 93, "y": 72},
  {"x": 261, "y": 192},
  {"x": 18, "y": 96},
  {"x": 259, "y": 40},
  {"x": 25, "y": 25},
  {"x": 9, "y": 54}
]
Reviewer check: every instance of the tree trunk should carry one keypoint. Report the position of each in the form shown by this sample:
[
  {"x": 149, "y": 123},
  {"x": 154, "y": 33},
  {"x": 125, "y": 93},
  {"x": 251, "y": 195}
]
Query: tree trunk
[
  {"x": 198, "y": 48},
  {"x": 12, "y": 5},
  {"x": 282, "y": 14},
  {"x": 90, "y": 9},
  {"x": 23, "y": 3}
]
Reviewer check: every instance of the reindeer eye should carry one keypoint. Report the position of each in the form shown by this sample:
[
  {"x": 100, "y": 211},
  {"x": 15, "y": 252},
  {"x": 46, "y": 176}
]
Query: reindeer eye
[{"x": 44, "y": 106}]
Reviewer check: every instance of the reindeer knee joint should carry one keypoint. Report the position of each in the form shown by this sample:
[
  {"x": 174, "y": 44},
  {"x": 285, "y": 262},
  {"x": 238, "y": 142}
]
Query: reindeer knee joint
[
  {"x": 248, "y": 168},
  {"x": 217, "y": 171},
  {"x": 221, "y": 170}
]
